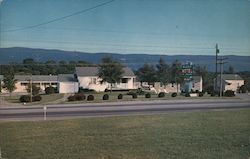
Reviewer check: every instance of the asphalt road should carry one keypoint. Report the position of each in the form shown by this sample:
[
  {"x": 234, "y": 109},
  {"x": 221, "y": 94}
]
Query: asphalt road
[{"x": 117, "y": 109}]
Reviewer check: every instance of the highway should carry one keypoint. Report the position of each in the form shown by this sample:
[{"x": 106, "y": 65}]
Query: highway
[{"x": 54, "y": 112}]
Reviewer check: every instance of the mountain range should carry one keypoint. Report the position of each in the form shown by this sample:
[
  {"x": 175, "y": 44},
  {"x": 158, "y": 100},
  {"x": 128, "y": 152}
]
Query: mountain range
[{"x": 17, "y": 54}]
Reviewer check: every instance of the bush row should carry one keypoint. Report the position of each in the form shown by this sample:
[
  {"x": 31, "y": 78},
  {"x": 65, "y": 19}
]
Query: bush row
[
  {"x": 81, "y": 97},
  {"x": 27, "y": 99},
  {"x": 227, "y": 93}
]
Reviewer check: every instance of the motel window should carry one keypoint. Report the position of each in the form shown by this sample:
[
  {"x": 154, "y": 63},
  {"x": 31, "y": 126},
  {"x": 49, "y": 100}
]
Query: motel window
[
  {"x": 124, "y": 80},
  {"x": 24, "y": 84}
]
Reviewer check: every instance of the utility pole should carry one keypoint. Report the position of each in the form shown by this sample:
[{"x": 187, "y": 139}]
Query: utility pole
[
  {"x": 221, "y": 63},
  {"x": 31, "y": 88},
  {"x": 217, "y": 51}
]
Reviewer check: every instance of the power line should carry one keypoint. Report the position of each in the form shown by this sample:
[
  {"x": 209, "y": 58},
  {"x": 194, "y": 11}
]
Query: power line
[
  {"x": 60, "y": 18},
  {"x": 132, "y": 47}
]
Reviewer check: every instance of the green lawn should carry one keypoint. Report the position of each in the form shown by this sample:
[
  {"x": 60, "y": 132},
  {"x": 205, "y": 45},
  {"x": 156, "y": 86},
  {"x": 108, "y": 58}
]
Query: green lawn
[{"x": 191, "y": 135}]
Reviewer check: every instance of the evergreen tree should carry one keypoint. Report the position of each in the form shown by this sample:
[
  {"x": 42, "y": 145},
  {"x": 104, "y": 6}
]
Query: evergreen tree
[
  {"x": 147, "y": 73},
  {"x": 163, "y": 74},
  {"x": 110, "y": 71},
  {"x": 176, "y": 73}
]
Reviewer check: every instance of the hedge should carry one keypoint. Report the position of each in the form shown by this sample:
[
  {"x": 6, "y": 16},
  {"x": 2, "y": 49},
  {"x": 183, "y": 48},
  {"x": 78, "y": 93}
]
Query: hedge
[
  {"x": 90, "y": 98},
  {"x": 174, "y": 94},
  {"x": 229, "y": 93},
  {"x": 187, "y": 94},
  {"x": 105, "y": 97},
  {"x": 147, "y": 95},
  {"x": 120, "y": 96},
  {"x": 77, "y": 97},
  {"x": 201, "y": 94},
  {"x": 161, "y": 95},
  {"x": 26, "y": 98},
  {"x": 134, "y": 95},
  {"x": 49, "y": 90}
]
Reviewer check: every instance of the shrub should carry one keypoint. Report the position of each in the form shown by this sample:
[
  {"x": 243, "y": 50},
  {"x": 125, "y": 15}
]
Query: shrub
[
  {"x": 105, "y": 97},
  {"x": 134, "y": 95},
  {"x": 24, "y": 98},
  {"x": 147, "y": 95},
  {"x": 72, "y": 98},
  {"x": 192, "y": 91},
  {"x": 243, "y": 89},
  {"x": 49, "y": 90},
  {"x": 90, "y": 98},
  {"x": 36, "y": 98},
  {"x": 201, "y": 94},
  {"x": 130, "y": 92},
  {"x": 120, "y": 96},
  {"x": 139, "y": 91},
  {"x": 80, "y": 96},
  {"x": 196, "y": 91},
  {"x": 161, "y": 95},
  {"x": 187, "y": 94},
  {"x": 229, "y": 93},
  {"x": 174, "y": 94},
  {"x": 214, "y": 93},
  {"x": 209, "y": 89}
]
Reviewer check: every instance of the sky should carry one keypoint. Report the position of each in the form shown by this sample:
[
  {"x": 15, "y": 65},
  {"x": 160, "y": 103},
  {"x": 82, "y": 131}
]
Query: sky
[{"x": 166, "y": 27}]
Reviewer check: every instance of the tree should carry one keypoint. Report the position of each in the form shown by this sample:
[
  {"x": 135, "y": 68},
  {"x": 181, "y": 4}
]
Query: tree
[
  {"x": 9, "y": 82},
  {"x": 162, "y": 73},
  {"x": 35, "y": 89},
  {"x": 147, "y": 73},
  {"x": 110, "y": 71},
  {"x": 176, "y": 73},
  {"x": 51, "y": 66}
]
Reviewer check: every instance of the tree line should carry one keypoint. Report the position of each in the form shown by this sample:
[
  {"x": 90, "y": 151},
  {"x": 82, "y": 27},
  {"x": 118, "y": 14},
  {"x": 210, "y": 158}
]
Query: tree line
[
  {"x": 111, "y": 71},
  {"x": 31, "y": 66}
]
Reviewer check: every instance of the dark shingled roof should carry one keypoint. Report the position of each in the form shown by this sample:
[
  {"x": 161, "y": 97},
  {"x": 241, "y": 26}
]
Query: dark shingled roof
[
  {"x": 93, "y": 71},
  {"x": 67, "y": 78},
  {"x": 230, "y": 77},
  {"x": 42, "y": 78}
]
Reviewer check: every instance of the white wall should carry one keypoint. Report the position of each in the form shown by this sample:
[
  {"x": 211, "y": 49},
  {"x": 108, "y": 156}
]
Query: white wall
[
  {"x": 131, "y": 83},
  {"x": 234, "y": 85},
  {"x": 198, "y": 85},
  {"x": 87, "y": 82},
  {"x": 41, "y": 84},
  {"x": 68, "y": 87}
]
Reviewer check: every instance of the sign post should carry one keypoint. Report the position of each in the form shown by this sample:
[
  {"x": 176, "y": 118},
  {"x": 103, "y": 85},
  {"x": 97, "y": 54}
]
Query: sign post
[
  {"x": 187, "y": 73},
  {"x": 44, "y": 113}
]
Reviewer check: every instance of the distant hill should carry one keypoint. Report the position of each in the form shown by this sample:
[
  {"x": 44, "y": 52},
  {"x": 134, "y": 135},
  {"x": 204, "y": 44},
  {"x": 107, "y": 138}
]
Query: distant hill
[{"x": 17, "y": 54}]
